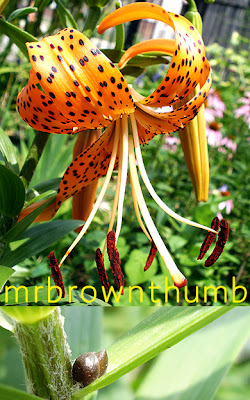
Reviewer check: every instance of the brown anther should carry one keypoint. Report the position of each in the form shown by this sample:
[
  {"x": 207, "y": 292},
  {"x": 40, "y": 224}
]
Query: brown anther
[
  {"x": 219, "y": 247},
  {"x": 209, "y": 238},
  {"x": 56, "y": 272},
  {"x": 151, "y": 256},
  {"x": 101, "y": 270},
  {"x": 115, "y": 262}
]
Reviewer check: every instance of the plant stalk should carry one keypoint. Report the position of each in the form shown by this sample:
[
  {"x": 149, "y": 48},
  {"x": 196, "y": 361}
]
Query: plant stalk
[
  {"x": 33, "y": 157},
  {"x": 46, "y": 357},
  {"x": 91, "y": 21}
]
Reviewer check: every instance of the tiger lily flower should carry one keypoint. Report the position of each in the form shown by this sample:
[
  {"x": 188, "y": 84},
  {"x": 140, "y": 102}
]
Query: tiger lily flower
[{"x": 82, "y": 89}]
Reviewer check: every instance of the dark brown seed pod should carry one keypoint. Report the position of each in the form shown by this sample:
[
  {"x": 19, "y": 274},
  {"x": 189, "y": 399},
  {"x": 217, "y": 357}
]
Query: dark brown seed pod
[{"x": 90, "y": 366}]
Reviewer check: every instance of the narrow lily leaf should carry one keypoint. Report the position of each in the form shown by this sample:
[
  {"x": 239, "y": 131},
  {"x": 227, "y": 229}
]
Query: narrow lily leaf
[
  {"x": 46, "y": 296},
  {"x": 66, "y": 18},
  {"x": 212, "y": 349},
  {"x": 7, "y": 393},
  {"x": 16, "y": 35},
  {"x": 21, "y": 12},
  {"x": 12, "y": 192},
  {"x": 8, "y": 152},
  {"x": 36, "y": 239},
  {"x": 161, "y": 330},
  {"x": 51, "y": 184},
  {"x": 5, "y": 273},
  {"x": 21, "y": 226}
]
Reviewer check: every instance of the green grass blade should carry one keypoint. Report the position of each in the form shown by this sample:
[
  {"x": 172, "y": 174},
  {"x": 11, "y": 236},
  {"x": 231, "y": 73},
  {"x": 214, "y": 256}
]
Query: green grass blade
[
  {"x": 194, "y": 368},
  {"x": 8, "y": 151},
  {"x": 36, "y": 239},
  {"x": 8, "y": 393},
  {"x": 161, "y": 330}
]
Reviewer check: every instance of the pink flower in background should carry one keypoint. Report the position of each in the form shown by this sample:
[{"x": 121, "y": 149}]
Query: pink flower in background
[
  {"x": 171, "y": 143},
  {"x": 215, "y": 109},
  {"x": 215, "y": 106},
  {"x": 245, "y": 109},
  {"x": 226, "y": 205}
]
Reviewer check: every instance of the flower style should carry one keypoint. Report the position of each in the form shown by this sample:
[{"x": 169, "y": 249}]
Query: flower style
[{"x": 82, "y": 89}]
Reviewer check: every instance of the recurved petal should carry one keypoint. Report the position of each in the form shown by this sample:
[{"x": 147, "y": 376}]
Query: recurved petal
[
  {"x": 157, "y": 123},
  {"x": 39, "y": 111},
  {"x": 189, "y": 65},
  {"x": 153, "y": 45},
  {"x": 88, "y": 166},
  {"x": 82, "y": 82}
]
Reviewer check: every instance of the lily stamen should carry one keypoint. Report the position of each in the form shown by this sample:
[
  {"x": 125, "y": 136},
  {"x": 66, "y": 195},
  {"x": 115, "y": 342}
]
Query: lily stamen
[
  {"x": 150, "y": 188},
  {"x": 123, "y": 159},
  {"x": 177, "y": 276}
]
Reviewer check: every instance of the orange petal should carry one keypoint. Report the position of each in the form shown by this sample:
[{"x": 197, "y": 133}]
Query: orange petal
[
  {"x": 189, "y": 65},
  {"x": 153, "y": 45},
  {"x": 46, "y": 215},
  {"x": 86, "y": 167},
  {"x": 157, "y": 123},
  {"x": 83, "y": 201},
  {"x": 39, "y": 111},
  {"x": 82, "y": 82}
]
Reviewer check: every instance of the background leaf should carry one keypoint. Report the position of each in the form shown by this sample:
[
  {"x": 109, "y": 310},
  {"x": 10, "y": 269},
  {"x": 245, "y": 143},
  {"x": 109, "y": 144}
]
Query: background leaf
[
  {"x": 8, "y": 393},
  {"x": 21, "y": 226},
  {"x": 16, "y": 35},
  {"x": 21, "y": 12},
  {"x": 66, "y": 18},
  {"x": 8, "y": 151},
  {"x": 12, "y": 192},
  {"x": 83, "y": 327},
  {"x": 159, "y": 331},
  {"x": 194, "y": 368},
  {"x": 36, "y": 239},
  {"x": 5, "y": 273}
]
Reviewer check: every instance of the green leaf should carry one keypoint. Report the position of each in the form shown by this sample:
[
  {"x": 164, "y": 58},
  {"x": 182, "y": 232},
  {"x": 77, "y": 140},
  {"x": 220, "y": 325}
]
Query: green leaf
[
  {"x": 7, "y": 393},
  {"x": 37, "y": 239},
  {"x": 5, "y": 273},
  {"x": 46, "y": 296},
  {"x": 16, "y": 35},
  {"x": 12, "y": 192},
  {"x": 161, "y": 330},
  {"x": 8, "y": 152},
  {"x": 66, "y": 18},
  {"x": 194, "y": 368},
  {"x": 134, "y": 267},
  {"x": 21, "y": 12},
  {"x": 21, "y": 226}
]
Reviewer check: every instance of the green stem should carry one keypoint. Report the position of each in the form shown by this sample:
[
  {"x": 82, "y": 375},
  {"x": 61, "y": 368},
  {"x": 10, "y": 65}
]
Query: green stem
[
  {"x": 46, "y": 357},
  {"x": 91, "y": 21},
  {"x": 33, "y": 157},
  {"x": 119, "y": 32},
  {"x": 191, "y": 5}
]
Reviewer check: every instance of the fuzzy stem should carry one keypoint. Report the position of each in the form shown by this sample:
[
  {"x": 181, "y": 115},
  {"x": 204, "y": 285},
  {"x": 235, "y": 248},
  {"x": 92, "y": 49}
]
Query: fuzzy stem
[
  {"x": 33, "y": 157},
  {"x": 46, "y": 357}
]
